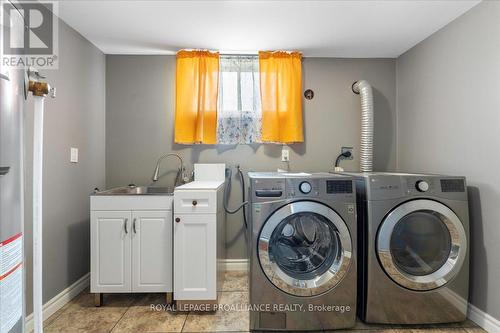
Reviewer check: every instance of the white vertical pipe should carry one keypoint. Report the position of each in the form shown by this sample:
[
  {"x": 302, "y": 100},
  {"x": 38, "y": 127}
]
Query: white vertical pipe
[{"x": 37, "y": 214}]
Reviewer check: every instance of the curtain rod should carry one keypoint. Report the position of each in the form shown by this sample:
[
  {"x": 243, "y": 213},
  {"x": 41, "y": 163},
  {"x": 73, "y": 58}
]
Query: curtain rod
[
  {"x": 248, "y": 55},
  {"x": 240, "y": 54}
]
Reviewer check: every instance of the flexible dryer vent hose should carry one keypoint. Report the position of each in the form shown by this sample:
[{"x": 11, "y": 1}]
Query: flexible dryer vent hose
[{"x": 364, "y": 89}]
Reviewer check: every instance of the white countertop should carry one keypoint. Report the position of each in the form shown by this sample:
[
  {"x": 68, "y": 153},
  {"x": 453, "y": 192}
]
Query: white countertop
[{"x": 201, "y": 185}]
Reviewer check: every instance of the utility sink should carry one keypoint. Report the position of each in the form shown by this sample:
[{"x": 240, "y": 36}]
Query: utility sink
[{"x": 137, "y": 190}]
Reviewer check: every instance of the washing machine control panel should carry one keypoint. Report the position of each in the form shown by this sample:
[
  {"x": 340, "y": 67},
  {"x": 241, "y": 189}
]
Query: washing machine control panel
[
  {"x": 422, "y": 186},
  {"x": 318, "y": 187},
  {"x": 339, "y": 186},
  {"x": 302, "y": 187},
  {"x": 305, "y": 187},
  {"x": 268, "y": 189}
]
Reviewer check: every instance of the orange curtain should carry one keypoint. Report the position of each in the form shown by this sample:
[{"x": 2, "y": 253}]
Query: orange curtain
[
  {"x": 281, "y": 91},
  {"x": 197, "y": 86}
]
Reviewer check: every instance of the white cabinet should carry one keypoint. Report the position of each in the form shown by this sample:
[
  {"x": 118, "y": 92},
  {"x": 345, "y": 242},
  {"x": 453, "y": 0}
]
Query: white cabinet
[
  {"x": 198, "y": 241},
  {"x": 131, "y": 248},
  {"x": 195, "y": 257},
  {"x": 151, "y": 251},
  {"x": 111, "y": 250}
]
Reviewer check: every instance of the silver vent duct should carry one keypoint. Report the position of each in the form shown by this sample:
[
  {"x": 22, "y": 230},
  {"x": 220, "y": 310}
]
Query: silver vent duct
[{"x": 364, "y": 89}]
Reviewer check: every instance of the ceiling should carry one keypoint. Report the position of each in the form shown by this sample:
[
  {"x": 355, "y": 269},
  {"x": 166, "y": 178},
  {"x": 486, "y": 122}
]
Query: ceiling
[{"x": 358, "y": 29}]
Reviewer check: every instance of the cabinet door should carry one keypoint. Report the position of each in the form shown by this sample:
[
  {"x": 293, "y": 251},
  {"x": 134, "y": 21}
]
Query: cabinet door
[
  {"x": 152, "y": 251},
  {"x": 110, "y": 251},
  {"x": 195, "y": 258}
]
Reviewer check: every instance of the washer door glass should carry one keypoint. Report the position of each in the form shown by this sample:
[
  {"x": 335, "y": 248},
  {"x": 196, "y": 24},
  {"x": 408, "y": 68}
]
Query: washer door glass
[
  {"x": 304, "y": 245},
  {"x": 421, "y": 244},
  {"x": 305, "y": 248}
]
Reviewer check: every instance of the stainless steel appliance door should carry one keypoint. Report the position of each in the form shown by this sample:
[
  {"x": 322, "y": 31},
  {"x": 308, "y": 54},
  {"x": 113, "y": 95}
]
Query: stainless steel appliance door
[
  {"x": 11, "y": 153},
  {"x": 11, "y": 200},
  {"x": 421, "y": 244},
  {"x": 305, "y": 248},
  {"x": 11, "y": 195}
]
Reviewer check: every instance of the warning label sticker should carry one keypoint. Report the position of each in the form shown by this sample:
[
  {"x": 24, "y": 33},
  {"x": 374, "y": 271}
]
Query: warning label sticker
[{"x": 11, "y": 282}]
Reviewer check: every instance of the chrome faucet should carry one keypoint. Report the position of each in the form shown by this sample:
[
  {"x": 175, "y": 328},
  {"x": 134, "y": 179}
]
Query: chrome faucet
[{"x": 179, "y": 179}]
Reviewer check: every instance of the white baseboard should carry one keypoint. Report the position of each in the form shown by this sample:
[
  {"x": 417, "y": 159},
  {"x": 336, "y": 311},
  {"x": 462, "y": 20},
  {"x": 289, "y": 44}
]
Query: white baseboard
[
  {"x": 60, "y": 300},
  {"x": 483, "y": 319},
  {"x": 236, "y": 264}
]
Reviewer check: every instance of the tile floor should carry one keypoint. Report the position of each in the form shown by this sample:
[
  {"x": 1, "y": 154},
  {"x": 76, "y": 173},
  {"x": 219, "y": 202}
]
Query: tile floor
[{"x": 132, "y": 313}]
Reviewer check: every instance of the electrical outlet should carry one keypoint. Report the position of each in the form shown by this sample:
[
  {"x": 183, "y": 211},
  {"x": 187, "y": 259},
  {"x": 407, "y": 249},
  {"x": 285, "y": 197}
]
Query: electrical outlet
[
  {"x": 344, "y": 149},
  {"x": 285, "y": 155},
  {"x": 74, "y": 155}
]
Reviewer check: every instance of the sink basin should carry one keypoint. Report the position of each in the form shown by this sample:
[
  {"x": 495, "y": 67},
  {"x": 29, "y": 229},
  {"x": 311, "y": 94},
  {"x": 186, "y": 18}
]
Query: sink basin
[{"x": 137, "y": 190}]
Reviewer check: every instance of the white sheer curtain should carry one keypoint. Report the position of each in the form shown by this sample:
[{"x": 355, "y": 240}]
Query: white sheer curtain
[{"x": 239, "y": 115}]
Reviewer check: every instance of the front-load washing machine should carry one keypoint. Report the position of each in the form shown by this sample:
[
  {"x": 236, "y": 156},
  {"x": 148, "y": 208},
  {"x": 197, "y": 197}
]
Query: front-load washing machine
[
  {"x": 302, "y": 245},
  {"x": 413, "y": 248}
]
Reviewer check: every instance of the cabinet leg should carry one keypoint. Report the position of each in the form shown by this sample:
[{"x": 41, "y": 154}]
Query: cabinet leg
[
  {"x": 98, "y": 299},
  {"x": 169, "y": 298}
]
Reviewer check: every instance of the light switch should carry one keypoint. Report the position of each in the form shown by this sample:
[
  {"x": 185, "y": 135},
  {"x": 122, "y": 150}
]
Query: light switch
[{"x": 74, "y": 155}]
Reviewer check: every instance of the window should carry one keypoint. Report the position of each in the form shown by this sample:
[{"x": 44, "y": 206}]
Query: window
[
  {"x": 238, "y": 99},
  {"x": 239, "y": 114}
]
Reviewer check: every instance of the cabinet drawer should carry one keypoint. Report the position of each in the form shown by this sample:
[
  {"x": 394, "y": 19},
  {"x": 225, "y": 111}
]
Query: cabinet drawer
[{"x": 195, "y": 201}]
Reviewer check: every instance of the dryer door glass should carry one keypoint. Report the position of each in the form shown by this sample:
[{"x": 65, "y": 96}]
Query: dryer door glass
[
  {"x": 421, "y": 244},
  {"x": 305, "y": 248}
]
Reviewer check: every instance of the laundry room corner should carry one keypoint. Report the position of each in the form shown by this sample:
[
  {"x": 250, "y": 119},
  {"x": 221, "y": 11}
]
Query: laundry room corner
[
  {"x": 456, "y": 108},
  {"x": 75, "y": 118}
]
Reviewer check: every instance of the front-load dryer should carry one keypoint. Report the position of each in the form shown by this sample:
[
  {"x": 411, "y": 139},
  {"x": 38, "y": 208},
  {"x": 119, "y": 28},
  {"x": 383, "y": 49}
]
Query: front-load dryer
[
  {"x": 413, "y": 248},
  {"x": 302, "y": 251}
]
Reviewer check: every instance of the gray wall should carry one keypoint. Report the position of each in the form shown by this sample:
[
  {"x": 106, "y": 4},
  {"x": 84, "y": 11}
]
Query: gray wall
[
  {"x": 74, "y": 119},
  {"x": 449, "y": 122},
  {"x": 140, "y": 100}
]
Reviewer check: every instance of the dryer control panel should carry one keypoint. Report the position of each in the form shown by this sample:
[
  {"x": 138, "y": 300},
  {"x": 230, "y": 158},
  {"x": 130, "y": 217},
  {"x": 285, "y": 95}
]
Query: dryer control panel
[{"x": 387, "y": 186}]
